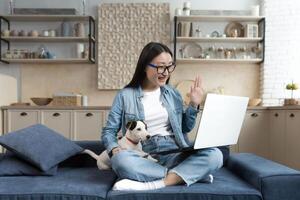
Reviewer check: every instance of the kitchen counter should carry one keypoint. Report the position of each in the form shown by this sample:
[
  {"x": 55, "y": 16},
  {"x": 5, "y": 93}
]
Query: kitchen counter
[
  {"x": 56, "y": 107},
  {"x": 293, "y": 107}
]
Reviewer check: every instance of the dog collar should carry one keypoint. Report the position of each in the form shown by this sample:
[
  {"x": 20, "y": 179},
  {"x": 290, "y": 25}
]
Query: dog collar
[{"x": 133, "y": 142}]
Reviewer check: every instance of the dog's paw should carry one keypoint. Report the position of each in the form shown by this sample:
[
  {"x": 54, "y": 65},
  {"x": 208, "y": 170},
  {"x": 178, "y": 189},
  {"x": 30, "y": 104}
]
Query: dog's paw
[{"x": 151, "y": 158}]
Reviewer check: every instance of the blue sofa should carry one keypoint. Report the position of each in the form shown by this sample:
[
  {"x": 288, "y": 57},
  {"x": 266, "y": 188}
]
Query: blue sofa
[{"x": 243, "y": 177}]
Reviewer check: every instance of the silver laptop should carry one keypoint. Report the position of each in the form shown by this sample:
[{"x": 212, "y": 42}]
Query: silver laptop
[{"x": 220, "y": 124}]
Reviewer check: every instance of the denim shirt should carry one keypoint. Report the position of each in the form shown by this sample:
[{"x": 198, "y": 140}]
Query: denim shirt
[{"x": 127, "y": 106}]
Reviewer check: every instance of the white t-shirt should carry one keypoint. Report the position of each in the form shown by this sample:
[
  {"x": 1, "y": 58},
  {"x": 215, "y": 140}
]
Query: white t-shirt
[{"x": 156, "y": 116}]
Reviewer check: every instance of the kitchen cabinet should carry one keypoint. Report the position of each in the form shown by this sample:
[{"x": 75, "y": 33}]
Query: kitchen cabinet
[
  {"x": 88, "y": 124},
  {"x": 278, "y": 136},
  {"x": 254, "y": 136},
  {"x": 29, "y": 56},
  {"x": 293, "y": 138},
  {"x": 58, "y": 120},
  {"x": 202, "y": 39},
  {"x": 75, "y": 123},
  {"x": 18, "y": 119}
]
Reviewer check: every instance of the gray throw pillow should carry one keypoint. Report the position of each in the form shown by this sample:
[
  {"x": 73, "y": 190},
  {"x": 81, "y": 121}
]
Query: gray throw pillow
[
  {"x": 11, "y": 165},
  {"x": 40, "y": 146}
]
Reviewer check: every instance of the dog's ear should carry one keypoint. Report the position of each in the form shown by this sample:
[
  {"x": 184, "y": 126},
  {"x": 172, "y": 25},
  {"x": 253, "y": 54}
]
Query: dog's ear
[
  {"x": 131, "y": 125},
  {"x": 146, "y": 127}
]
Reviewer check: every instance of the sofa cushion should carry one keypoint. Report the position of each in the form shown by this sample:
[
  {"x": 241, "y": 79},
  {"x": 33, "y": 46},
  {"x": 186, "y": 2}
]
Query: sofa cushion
[
  {"x": 11, "y": 165},
  {"x": 68, "y": 183},
  {"x": 40, "y": 146},
  {"x": 226, "y": 186}
]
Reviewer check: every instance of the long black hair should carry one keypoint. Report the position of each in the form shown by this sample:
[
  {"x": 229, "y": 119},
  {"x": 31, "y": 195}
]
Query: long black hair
[{"x": 149, "y": 52}]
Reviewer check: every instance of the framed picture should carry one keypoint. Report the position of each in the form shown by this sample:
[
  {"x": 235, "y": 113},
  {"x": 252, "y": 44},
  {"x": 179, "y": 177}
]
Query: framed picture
[{"x": 251, "y": 30}]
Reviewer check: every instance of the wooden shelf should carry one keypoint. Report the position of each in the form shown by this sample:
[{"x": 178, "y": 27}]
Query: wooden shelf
[
  {"x": 213, "y": 18},
  {"x": 46, "y": 17},
  {"x": 187, "y": 60},
  {"x": 46, "y": 39},
  {"x": 219, "y": 39},
  {"x": 61, "y": 60}
]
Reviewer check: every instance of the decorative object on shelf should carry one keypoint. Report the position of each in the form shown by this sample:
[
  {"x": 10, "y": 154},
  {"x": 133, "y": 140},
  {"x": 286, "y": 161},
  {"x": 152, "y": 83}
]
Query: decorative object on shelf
[
  {"x": 20, "y": 104},
  {"x": 251, "y": 31},
  {"x": 178, "y": 12},
  {"x": 292, "y": 101},
  {"x": 215, "y": 34},
  {"x": 42, "y": 52},
  {"x": 198, "y": 32},
  {"x": 192, "y": 50},
  {"x": 116, "y": 63},
  {"x": 221, "y": 12},
  {"x": 45, "y": 33},
  {"x": 5, "y": 33},
  {"x": 254, "y": 101},
  {"x": 41, "y": 101},
  {"x": 83, "y": 7},
  {"x": 186, "y": 29},
  {"x": 11, "y": 7},
  {"x": 234, "y": 29},
  {"x": 186, "y": 8},
  {"x": 52, "y": 33},
  {"x": 255, "y": 10},
  {"x": 67, "y": 99},
  {"x": 79, "y": 29},
  {"x": 84, "y": 100},
  {"x": 66, "y": 29},
  {"x": 79, "y": 50},
  {"x": 44, "y": 11},
  {"x": 22, "y": 33},
  {"x": 13, "y": 33},
  {"x": 33, "y": 33}
]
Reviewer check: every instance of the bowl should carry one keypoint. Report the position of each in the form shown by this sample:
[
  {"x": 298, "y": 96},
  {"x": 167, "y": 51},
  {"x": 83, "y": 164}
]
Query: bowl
[
  {"x": 41, "y": 101},
  {"x": 254, "y": 102}
]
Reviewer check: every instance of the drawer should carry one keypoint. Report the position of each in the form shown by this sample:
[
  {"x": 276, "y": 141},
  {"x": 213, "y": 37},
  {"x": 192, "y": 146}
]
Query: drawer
[
  {"x": 88, "y": 124},
  {"x": 18, "y": 119},
  {"x": 59, "y": 121}
]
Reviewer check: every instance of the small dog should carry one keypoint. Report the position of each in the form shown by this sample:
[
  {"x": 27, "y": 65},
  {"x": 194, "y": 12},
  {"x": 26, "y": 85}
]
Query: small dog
[{"x": 136, "y": 132}]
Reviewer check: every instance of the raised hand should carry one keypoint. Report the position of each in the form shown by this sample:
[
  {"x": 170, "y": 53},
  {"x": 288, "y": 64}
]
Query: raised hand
[{"x": 196, "y": 93}]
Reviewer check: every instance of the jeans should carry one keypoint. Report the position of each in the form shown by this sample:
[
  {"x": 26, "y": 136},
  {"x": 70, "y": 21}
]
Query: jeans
[{"x": 191, "y": 166}]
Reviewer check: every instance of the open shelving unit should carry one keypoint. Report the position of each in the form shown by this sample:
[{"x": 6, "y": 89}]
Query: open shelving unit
[
  {"x": 90, "y": 38},
  {"x": 259, "y": 20}
]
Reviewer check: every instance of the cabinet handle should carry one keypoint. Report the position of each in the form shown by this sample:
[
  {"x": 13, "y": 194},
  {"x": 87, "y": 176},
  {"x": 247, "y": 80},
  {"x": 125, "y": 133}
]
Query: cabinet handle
[
  {"x": 292, "y": 115},
  {"x": 276, "y": 114},
  {"x": 56, "y": 114},
  {"x": 23, "y": 114},
  {"x": 254, "y": 115},
  {"x": 89, "y": 114}
]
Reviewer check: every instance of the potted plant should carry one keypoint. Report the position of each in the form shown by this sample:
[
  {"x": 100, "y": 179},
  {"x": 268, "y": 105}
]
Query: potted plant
[{"x": 291, "y": 86}]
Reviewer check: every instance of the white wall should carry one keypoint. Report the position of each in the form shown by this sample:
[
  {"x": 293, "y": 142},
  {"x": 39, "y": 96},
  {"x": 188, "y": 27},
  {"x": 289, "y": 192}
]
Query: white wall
[{"x": 282, "y": 60}]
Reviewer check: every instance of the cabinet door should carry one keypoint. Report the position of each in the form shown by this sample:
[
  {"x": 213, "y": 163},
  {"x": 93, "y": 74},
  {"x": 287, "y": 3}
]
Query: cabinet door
[
  {"x": 59, "y": 121},
  {"x": 293, "y": 138},
  {"x": 18, "y": 119},
  {"x": 254, "y": 137},
  {"x": 88, "y": 124},
  {"x": 277, "y": 136}
]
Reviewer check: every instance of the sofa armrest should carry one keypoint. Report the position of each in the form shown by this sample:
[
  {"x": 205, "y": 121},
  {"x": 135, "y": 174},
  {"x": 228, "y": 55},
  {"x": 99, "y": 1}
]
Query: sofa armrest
[{"x": 275, "y": 181}]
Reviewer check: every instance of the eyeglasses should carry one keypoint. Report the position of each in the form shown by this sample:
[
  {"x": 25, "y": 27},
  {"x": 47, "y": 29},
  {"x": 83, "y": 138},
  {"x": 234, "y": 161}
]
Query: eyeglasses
[{"x": 161, "y": 68}]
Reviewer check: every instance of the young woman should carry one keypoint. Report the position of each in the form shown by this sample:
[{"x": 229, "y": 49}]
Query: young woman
[{"x": 148, "y": 97}]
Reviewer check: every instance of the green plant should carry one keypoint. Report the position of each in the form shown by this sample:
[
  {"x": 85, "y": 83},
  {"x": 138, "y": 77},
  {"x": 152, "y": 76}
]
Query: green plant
[{"x": 292, "y": 86}]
